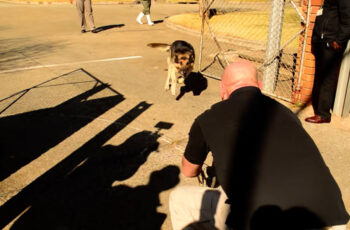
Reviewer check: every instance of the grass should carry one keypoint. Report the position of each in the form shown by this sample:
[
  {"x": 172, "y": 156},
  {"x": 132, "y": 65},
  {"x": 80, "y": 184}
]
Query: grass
[{"x": 252, "y": 25}]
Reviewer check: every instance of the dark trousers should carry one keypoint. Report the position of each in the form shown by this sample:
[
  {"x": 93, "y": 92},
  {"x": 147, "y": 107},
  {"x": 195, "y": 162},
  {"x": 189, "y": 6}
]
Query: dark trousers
[{"x": 327, "y": 69}]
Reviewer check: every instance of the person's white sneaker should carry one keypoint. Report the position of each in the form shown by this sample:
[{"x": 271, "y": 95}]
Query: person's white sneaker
[
  {"x": 139, "y": 17},
  {"x": 150, "y": 23}
]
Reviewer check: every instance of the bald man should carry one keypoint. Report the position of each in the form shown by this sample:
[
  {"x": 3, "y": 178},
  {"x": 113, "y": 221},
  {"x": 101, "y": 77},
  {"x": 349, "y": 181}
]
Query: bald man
[{"x": 271, "y": 173}]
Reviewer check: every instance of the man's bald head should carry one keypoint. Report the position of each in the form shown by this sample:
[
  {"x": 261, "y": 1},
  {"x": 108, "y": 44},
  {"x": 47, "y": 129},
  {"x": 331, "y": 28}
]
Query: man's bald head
[{"x": 237, "y": 75}]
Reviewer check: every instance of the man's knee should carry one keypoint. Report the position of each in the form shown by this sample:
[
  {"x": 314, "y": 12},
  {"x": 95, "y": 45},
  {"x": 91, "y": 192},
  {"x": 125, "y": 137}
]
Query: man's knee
[
  {"x": 176, "y": 193},
  {"x": 179, "y": 195}
]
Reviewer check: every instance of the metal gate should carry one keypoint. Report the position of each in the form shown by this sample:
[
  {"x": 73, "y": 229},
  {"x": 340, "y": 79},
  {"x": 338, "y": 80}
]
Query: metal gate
[{"x": 265, "y": 32}]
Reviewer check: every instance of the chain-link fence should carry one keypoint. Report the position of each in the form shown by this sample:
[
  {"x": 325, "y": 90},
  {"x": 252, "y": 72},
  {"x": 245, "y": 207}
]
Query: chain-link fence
[{"x": 265, "y": 32}]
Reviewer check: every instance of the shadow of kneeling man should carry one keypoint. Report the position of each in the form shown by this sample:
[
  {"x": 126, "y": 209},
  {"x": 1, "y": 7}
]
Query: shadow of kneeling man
[
  {"x": 85, "y": 198},
  {"x": 138, "y": 206}
]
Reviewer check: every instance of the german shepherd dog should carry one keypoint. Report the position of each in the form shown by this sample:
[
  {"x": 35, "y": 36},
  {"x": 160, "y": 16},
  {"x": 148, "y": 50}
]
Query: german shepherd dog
[{"x": 180, "y": 64}]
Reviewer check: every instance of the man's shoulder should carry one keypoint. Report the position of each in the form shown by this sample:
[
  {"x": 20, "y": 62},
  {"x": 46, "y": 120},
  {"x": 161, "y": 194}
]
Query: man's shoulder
[
  {"x": 235, "y": 106},
  {"x": 232, "y": 104},
  {"x": 213, "y": 110}
]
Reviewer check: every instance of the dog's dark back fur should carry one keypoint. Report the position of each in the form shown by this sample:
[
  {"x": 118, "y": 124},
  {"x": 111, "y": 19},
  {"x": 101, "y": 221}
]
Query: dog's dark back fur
[{"x": 182, "y": 47}]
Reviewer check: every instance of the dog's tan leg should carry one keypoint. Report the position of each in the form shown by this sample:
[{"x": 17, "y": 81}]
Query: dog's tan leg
[
  {"x": 173, "y": 81},
  {"x": 167, "y": 82}
]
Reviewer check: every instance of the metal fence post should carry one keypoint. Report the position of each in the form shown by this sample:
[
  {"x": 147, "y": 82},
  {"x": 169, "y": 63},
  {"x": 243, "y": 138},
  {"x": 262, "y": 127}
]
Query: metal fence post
[{"x": 273, "y": 45}]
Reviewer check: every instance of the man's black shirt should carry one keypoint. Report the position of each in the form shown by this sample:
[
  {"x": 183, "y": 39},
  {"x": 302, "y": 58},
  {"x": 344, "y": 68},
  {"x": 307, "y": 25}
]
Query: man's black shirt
[{"x": 263, "y": 158}]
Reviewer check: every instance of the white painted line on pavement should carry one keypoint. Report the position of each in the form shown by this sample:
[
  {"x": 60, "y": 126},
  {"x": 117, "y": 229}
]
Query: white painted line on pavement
[{"x": 72, "y": 63}]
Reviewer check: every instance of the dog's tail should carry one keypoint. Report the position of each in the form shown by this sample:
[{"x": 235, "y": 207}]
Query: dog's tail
[{"x": 161, "y": 46}]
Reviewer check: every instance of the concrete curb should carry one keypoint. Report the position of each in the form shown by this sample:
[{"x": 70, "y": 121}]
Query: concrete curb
[
  {"x": 181, "y": 28},
  {"x": 250, "y": 44}
]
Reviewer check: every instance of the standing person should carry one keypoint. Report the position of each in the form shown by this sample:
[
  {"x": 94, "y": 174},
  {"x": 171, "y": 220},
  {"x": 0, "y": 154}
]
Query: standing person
[
  {"x": 329, "y": 38},
  {"x": 271, "y": 173},
  {"x": 146, "y": 11},
  {"x": 84, "y": 8}
]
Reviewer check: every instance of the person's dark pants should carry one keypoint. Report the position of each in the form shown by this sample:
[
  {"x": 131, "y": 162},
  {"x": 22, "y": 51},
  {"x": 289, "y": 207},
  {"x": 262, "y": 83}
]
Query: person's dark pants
[{"x": 327, "y": 69}]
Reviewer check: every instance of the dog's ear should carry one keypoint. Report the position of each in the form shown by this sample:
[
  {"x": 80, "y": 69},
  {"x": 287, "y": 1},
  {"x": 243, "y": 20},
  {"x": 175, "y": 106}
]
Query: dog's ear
[
  {"x": 174, "y": 57},
  {"x": 172, "y": 51},
  {"x": 192, "y": 56}
]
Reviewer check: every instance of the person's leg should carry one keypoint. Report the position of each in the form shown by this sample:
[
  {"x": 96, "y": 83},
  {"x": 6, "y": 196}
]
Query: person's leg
[
  {"x": 80, "y": 8},
  {"x": 332, "y": 60},
  {"x": 147, "y": 10},
  {"x": 89, "y": 15},
  {"x": 222, "y": 211},
  {"x": 327, "y": 67},
  {"x": 146, "y": 7},
  {"x": 149, "y": 20},
  {"x": 318, "y": 79},
  {"x": 185, "y": 205},
  {"x": 191, "y": 204},
  {"x": 139, "y": 18}
]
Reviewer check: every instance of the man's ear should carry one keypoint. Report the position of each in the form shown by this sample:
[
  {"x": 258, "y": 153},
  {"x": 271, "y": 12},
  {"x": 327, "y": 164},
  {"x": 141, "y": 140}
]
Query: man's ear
[{"x": 223, "y": 93}]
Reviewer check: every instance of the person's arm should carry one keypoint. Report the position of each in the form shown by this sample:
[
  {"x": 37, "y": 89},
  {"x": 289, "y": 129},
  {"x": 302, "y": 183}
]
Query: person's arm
[
  {"x": 337, "y": 46},
  {"x": 190, "y": 170},
  {"x": 195, "y": 153},
  {"x": 344, "y": 24}
]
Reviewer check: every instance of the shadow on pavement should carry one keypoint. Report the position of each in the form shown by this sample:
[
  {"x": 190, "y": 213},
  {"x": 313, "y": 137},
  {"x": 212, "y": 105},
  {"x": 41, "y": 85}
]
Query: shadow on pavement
[
  {"x": 103, "y": 28},
  {"x": 28, "y": 135},
  {"x": 194, "y": 83},
  {"x": 77, "y": 193},
  {"x": 85, "y": 198},
  {"x": 19, "y": 52},
  {"x": 158, "y": 21}
]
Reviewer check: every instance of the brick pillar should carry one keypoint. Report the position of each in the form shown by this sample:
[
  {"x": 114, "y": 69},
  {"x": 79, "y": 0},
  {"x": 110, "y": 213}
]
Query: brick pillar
[{"x": 302, "y": 93}]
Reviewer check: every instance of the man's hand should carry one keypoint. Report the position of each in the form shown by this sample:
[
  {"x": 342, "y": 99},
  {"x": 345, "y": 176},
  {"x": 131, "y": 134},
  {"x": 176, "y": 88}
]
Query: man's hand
[{"x": 336, "y": 46}]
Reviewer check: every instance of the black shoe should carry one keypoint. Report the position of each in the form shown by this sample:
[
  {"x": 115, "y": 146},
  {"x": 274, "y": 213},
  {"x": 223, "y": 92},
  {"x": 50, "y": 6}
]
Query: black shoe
[
  {"x": 83, "y": 31},
  {"x": 94, "y": 31}
]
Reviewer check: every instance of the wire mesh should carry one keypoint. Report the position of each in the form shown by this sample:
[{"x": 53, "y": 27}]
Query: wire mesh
[{"x": 256, "y": 30}]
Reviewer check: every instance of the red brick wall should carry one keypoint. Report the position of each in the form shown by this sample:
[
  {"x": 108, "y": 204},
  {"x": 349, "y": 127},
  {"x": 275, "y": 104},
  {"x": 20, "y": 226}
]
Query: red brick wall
[{"x": 302, "y": 94}]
